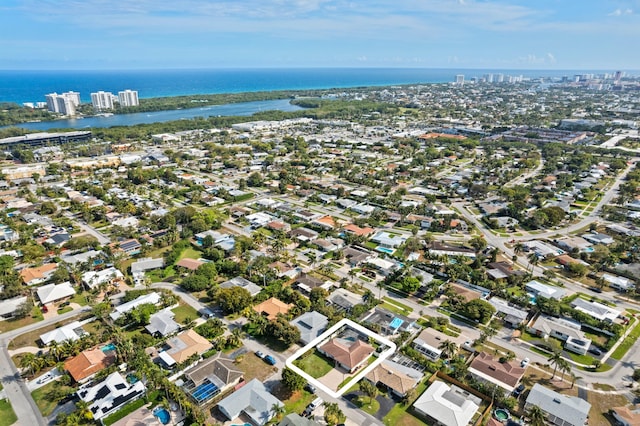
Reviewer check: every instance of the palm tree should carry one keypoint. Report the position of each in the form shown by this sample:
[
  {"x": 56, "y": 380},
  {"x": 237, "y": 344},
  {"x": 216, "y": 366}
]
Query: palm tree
[
  {"x": 574, "y": 379},
  {"x": 518, "y": 248},
  {"x": 277, "y": 410},
  {"x": 380, "y": 285},
  {"x": 555, "y": 359},
  {"x": 448, "y": 348},
  {"x": 564, "y": 366},
  {"x": 533, "y": 260},
  {"x": 30, "y": 362},
  {"x": 536, "y": 416}
]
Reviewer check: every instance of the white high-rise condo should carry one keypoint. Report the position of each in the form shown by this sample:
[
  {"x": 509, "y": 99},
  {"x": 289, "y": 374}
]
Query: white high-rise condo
[
  {"x": 128, "y": 98},
  {"x": 102, "y": 100},
  {"x": 62, "y": 104},
  {"x": 73, "y": 96}
]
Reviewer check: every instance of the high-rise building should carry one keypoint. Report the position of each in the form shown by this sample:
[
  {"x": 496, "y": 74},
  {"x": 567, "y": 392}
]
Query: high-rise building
[
  {"x": 62, "y": 104},
  {"x": 128, "y": 98},
  {"x": 73, "y": 96},
  {"x": 460, "y": 79},
  {"x": 102, "y": 100}
]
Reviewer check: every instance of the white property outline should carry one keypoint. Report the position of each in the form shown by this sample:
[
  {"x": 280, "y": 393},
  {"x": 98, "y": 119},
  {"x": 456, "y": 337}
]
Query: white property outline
[{"x": 344, "y": 322}]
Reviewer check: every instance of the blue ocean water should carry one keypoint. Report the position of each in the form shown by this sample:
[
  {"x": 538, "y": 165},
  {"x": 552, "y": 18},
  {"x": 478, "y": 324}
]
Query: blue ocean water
[{"x": 32, "y": 86}]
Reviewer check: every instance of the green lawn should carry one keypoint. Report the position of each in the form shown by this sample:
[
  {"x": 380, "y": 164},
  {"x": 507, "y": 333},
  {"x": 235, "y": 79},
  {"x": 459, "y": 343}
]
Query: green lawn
[
  {"x": 190, "y": 253},
  {"x": 316, "y": 365},
  {"x": 7, "y": 416},
  {"x": 399, "y": 415},
  {"x": 394, "y": 308},
  {"x": 367, "y": 405},
  {"x": 626, "y": 344},
  {"x": 11, "y": 324},
  {"x": 398, "y": 304},
  {"x": 44, "y": 396},
  {"x": 184, "y": 312}
]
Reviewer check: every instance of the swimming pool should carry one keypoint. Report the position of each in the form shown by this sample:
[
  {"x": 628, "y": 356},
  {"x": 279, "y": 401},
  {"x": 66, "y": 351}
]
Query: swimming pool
[
  {"x": 109, "y": 347},
  {"x": 385, "y": 250},
  {"x": 162, "y": 415}
]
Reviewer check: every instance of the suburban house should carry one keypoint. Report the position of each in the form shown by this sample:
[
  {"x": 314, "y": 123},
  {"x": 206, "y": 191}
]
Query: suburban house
[
  {"x": 162, "y": 323},
  {"x": 139, "y": 267},
  {"x": 87, "y": 363},
  {"x": 211, "y": 377},
  {"x": 357, "y": 231},
  {"x": 311, "y": 325},
  {"x": 52, "y": 293},
  {"x": 397, "y": 378},
  {"x": 618, "y": 283},
  {"x": 150, "y": 298},
  {"x": 447, "y": 405},
  {"x": 390, "y": 323},
  {"x": 626, "y": 416},
  {"x": 485, "y": 368},
  {"x": 347, "y": 354},
  {"x": 512, "y": 316},
  {"x": 548, "y": 292},
  {"x": 9, "y": 306},
  {"x": 127, "y": 248},
  {"x": 109, "y": 395},
  {"x": 561, "y": 410},
  {"x": 253, "y": 400},
  {"x": 440, "y": 249},
  {"x": 306, "y": 283},
  {"x": 94, "y": 279},
  {"x": 388, "y": 239},
  {"x": 429, "y": 340},
  {"x": 181, "y": 347},
  {"x": 190, "y": 264},
  {"x": 72, "y": 331},
  {"x": 564, "y": 329},
  {"x": 241, "y": 282},
  {"x": 272, "y": 307},
  {"x": 39, "y": 274},
  {"x": 295, "y": 419},
  {"x": 596, "y": 310},
  {"x": 356, "y": 255},
  {"x": 303, "y": 234},
  {"x": 344, "y": 299}
]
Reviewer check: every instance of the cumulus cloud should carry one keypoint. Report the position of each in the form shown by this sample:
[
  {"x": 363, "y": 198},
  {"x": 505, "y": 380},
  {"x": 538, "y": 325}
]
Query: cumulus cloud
[{"x": 621, "y": 12}]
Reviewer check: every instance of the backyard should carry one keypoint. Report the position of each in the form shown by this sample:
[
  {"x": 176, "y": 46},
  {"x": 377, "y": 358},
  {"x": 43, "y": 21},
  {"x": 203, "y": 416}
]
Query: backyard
[{"x": 315, "y": 364}]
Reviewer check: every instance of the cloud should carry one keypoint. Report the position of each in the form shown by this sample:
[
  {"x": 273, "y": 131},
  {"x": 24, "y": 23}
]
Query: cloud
[
  {"x": 551, "y": 58},
  {"x": 621, "y": 12}
]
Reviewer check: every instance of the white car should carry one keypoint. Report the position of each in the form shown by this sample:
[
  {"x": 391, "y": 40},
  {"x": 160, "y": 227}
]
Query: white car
[
  {"x": 46, "y": 378},
  {"x": 524, "y": 362}
]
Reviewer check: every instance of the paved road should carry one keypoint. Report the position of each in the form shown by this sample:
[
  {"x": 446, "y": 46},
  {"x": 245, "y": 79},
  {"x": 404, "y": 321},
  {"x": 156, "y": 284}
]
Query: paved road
[
  {"x": 89, "y": 230},
  {"x": 16, "y": 390}
]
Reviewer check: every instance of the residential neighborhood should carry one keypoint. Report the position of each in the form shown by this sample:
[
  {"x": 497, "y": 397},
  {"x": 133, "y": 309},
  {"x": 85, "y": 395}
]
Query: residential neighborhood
[{"x": 453, "y": 256}]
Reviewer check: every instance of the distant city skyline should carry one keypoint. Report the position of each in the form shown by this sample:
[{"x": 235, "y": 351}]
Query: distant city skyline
[{"x": 498, "y": 34}]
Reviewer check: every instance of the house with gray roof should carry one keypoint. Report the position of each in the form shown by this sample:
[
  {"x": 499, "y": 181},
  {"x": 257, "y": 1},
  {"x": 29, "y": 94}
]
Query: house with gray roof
[
  {"x": 561, "y": 410},
  {"x": 9, "y": 306},
  {"x": 311, "y": 325},
  {"x": 252, "y": 288},
  {"x": 252, "y": 400},
  {"x": 162, "y": 323},
  {"x": 72, "y": 331},
  {"x": 212, "y": 377},
  {"x": 54, "y": 292}
]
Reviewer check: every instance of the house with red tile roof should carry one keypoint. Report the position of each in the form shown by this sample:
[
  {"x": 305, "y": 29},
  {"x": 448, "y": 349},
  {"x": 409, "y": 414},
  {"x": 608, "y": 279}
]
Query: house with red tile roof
[{"x": 347, "y": 354}]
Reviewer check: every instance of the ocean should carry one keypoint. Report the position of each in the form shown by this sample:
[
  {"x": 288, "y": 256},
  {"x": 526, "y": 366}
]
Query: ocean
[{"x": 32, "y": 86}]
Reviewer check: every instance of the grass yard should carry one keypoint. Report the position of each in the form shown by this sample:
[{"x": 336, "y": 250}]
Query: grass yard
[
  {"x": 392, "y": 307},
  {"x": 184, "y": 312},
  {"x": 294, "y": 402},
  {"x": 368, "y": 405},
  {"x": 11, "y": 324},
  {"x": 254, "y": 367},
  {"x": 399, "y": 414},
  {"x": 42, "y": 396},
  {"x": 7, "y": 416},
  {"x": 190, "y": 253},
  {"x": 315, "y": 365},
  {"x": 398, "y": 304},
  {"x": 600, "y": 405},
  {"x": 626, "y": 344}
]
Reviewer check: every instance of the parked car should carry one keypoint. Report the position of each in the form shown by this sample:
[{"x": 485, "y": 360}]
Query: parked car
[
  {"x": 524, "y": 362},
  {"x": 46, "y": 378},
  {"x": 310, "y": 388},
  {"x": 468, "y": 345},
  {"x": 270, "y": 360},
  {"x": 595, "y": 351},
  {"x": 260, "y": 355},
  {"x": 517, "y": 391},
  {"x": 312, "y": 406}
]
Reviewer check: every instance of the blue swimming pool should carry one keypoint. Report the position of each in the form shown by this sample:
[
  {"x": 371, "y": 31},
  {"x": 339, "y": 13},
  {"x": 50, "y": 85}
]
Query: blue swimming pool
[
  {"x": 385, "y": 250},
  {"x": 109, "y": 347},
  {"x": 162, "y": 415}
]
